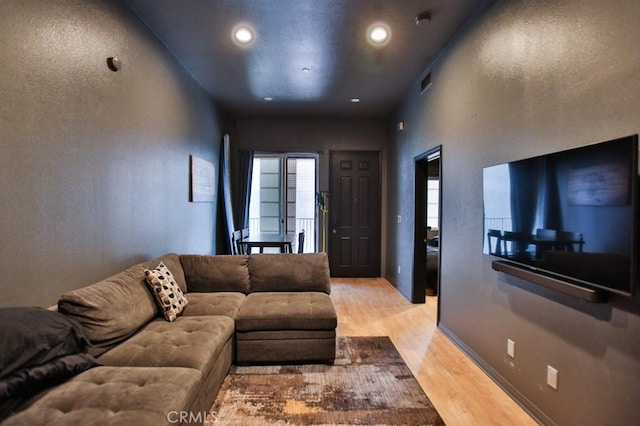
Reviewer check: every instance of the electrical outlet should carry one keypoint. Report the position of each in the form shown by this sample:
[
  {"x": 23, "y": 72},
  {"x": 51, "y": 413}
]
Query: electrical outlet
[
  {"x": 398, "y": 269},
  {"x": 399, "y": 219},
  {"x": 511, "y": 348},
  {"x": 552, "y": 377}
]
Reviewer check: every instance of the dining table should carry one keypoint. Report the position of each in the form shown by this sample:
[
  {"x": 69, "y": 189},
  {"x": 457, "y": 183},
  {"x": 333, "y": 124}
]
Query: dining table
[{"x": 267, "y": 239}]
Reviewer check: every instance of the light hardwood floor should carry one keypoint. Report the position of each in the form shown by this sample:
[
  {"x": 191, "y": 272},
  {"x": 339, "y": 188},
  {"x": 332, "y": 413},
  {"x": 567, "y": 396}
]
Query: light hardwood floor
[{"x": 460, "y": 391}]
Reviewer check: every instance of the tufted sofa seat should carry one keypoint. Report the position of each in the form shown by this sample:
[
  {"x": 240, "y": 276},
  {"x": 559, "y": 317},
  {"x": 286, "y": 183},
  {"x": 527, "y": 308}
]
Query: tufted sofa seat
[
  {"x": 200, "y": 343},
  {"x": 244, "y": 309},
  {"x": 114, "y": 396}
]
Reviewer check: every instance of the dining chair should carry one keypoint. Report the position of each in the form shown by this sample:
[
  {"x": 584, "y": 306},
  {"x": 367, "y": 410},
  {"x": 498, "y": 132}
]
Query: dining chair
[
  {"x": 238, "y": 248},
  {"x": 567, "y": 239},
  {"x": 497, "y": 234},
  {"x": 244, "y": 234},
  {"x": 515, "y": 244},
  {"x": 549, "y": 234},
  {"x": 301, "y": 242},
  {"x": 234, "y": 243}
]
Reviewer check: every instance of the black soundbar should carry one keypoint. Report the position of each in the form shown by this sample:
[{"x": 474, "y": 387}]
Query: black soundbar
[{"x": 585, "y": 293}]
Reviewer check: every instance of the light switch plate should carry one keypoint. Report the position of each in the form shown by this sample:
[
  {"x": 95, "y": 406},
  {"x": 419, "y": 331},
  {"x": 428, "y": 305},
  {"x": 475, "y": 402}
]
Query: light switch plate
[
  {"x": 552, "y": 377},
  {"x": 511, "y": 348}
]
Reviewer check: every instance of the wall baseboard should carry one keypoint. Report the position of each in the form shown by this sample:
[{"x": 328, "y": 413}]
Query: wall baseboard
[{"x": 514, "y": 393}]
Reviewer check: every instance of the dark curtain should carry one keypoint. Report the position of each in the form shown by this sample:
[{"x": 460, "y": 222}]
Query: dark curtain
[
  {"x": 225, "y": 174},
  {"x": 524, "y": 178},
  {"x": 243, "y": 188},
  {"x": 550, "y": 198}
]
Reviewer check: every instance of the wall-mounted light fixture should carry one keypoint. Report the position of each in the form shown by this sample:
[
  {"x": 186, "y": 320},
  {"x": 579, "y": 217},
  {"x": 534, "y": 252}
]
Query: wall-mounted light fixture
[{"x": 114, "y": 64}]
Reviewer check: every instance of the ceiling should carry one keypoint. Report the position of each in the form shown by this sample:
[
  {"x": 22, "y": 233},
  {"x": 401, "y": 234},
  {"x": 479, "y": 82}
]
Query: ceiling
[{"x": 327, "y": 37}]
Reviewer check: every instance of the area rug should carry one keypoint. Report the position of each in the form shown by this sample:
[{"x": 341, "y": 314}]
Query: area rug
[{"x": 369, "y": 384}]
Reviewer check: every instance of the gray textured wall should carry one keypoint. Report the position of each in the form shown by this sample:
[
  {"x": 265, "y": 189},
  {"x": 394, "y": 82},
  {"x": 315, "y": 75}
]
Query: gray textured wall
[
  {"x": 94, "y": 165},
  {"x": 522, "y": 79}
]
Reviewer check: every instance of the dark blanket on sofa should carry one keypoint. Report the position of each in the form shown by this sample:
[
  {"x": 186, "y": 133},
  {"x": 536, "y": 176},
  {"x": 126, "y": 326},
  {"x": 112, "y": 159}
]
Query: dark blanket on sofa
[{"x": 38, "y": 349}]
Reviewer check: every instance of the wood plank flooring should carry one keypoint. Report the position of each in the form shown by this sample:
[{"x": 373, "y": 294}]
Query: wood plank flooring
[{"x": 461, "y": 392}]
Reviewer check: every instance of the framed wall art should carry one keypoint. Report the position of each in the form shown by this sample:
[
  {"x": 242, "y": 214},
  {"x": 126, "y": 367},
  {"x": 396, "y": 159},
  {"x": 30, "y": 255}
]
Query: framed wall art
[{"x": 202, "y": 180}]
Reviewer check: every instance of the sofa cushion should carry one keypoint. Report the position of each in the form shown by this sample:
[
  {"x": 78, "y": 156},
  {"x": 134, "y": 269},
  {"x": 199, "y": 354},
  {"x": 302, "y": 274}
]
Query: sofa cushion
[
  {"x": 115, "y": 396},
  {"x": 193, "y": 342},
  {"x": 310, "y": 310},
  {"x": 111, "y": 310},
  {"x": 168, "y": 295},
  {"x": 172, "y": 261},
  {"x": 223, "y": 303},
  {"x": 216, "y": 273},
  {"x": 289, "y": 272}
]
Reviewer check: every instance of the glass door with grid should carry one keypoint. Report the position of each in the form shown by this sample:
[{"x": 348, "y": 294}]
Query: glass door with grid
[{"x": 283, "y": 196}]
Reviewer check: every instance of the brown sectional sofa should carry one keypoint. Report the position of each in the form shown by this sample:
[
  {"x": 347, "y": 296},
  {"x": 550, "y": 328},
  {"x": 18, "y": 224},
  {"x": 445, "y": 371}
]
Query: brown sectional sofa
[{"x": 244, "y": 309}]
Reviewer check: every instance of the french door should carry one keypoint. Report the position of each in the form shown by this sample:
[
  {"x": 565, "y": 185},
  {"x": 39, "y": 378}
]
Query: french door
[{"x": 283, "y": 196}]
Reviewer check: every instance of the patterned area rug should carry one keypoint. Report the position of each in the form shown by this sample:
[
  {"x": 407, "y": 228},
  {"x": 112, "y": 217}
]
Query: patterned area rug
[{"x": 369, "y": 384}]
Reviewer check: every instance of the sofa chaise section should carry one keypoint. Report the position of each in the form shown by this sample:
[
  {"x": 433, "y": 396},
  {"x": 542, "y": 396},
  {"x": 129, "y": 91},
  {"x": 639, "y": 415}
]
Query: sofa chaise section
[{"x": 289, "y": 316}]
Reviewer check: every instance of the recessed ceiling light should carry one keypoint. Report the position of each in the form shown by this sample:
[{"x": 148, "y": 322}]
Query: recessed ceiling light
[
  {"x": 379, "y": 34},
  {"x": 243, "y": 34},
  {"x": 355, "y": 100}
]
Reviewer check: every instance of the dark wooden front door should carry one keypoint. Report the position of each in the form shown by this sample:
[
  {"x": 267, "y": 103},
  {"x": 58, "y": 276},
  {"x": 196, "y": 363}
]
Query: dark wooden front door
[{"x": 354, "y": 214}]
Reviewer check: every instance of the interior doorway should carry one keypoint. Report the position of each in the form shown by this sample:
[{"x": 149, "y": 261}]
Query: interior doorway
[{"x": 428, "y": 202}]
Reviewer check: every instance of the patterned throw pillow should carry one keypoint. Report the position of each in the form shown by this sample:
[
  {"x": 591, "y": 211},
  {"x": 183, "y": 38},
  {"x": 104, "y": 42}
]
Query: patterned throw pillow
[{"x": 169, "y": 297}]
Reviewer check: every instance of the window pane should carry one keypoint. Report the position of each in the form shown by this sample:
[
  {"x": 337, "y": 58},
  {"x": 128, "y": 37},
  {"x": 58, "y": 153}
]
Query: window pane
[
  {"x": 270, "y": 165},
  {"x": 269, "y": 180},
  {"x": 433, "y": 199},
  {"x": 269, "y": 209}
]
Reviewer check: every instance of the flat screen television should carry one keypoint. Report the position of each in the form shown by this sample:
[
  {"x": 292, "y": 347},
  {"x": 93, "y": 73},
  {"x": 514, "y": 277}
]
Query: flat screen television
[{"x": 571, "y": 215}]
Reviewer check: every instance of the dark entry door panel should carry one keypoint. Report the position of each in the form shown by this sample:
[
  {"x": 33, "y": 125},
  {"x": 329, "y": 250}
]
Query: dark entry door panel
[{"x": 354, "y": 226}]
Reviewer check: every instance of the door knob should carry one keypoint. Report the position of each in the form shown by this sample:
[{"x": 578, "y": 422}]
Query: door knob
[{"x": 334, "y": 231}]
